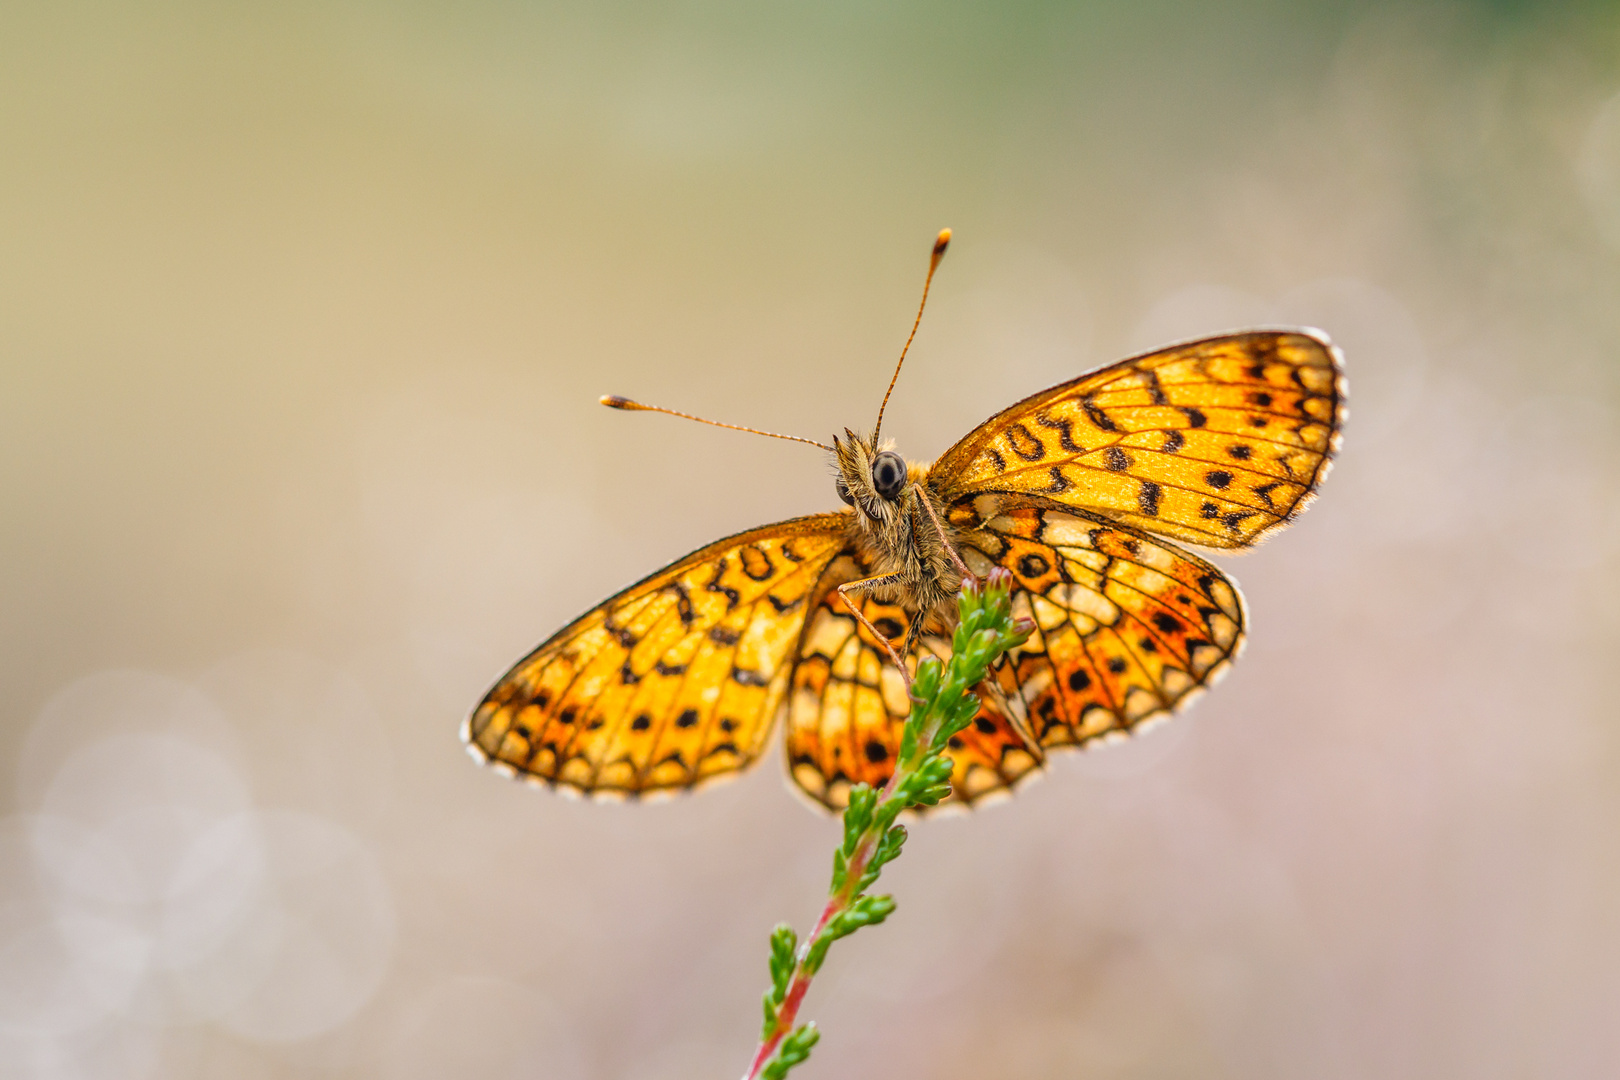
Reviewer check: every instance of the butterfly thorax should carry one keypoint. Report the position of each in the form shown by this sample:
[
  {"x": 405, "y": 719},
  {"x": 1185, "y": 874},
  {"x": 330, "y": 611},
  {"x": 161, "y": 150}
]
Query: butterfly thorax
[{"x": 893, "y": 530}]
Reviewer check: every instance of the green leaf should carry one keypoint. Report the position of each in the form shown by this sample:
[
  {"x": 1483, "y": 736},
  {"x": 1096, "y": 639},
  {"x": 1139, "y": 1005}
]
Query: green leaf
[
  {"x": 887, "y": 850},
  {"x": 840, "y": 872},
  {"x": 926, "y": 681},
  {"x": 818, "y": 952},
  {"x": 794, "y": 1050},
  {"x": 784, "y": 944}
]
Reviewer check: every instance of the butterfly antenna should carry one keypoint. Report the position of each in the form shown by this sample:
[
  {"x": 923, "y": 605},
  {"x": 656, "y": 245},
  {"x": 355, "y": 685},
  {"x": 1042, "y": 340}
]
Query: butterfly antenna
[
  {"x": 614, "y": 401},
  {"x": 941, "y": 242}
]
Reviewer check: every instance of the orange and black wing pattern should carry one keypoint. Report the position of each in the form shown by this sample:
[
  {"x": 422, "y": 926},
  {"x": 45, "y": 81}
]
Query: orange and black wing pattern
[
  {"x": 1127, "y": 627},
  {"x": 674, "y": 681},
  {"x": 847, "y": 705},
  {"x": 1216, "y": 442}
]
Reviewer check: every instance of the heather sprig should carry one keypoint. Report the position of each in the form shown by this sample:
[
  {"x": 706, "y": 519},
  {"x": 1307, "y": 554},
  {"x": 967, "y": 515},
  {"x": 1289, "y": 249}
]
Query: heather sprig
[{"x": 943, "y": 703}]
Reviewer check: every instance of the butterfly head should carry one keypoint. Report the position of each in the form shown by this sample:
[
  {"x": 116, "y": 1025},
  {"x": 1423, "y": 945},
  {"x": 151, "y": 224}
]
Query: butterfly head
[{"x": 871, "y": 478}]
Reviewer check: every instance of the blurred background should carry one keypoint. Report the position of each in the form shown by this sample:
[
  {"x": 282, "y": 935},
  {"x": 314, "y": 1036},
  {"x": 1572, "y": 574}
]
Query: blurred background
[{"x": 304, "y": 309}]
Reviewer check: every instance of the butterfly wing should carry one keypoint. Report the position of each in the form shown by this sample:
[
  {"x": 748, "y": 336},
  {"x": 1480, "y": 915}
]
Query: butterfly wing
[
  {"x": 673, "y": 681},
  {"x": 1127, "y": 628},
  {"x": 847, "y": 704},
  {"x": 1216, "y": 442}
]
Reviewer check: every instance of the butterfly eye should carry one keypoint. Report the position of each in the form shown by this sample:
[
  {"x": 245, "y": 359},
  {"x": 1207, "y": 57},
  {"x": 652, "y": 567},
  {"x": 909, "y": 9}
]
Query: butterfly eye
[
  {"x": 843, "y": 491},
  {"x": 889, "y": 474}
]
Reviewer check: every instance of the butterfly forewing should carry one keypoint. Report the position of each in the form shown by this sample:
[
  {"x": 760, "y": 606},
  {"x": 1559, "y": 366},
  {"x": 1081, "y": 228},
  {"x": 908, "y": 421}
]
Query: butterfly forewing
[
  {"x": 1214, "y": 442},
  {"x": 671, "y": 682}
]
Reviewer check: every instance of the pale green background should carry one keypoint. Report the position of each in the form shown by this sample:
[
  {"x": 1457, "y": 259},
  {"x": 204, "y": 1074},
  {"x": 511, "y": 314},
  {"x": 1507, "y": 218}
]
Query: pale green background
[{"x": 304, "y": 309}]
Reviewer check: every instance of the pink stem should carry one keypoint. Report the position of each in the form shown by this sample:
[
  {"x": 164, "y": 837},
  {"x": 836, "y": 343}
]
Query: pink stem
[{"x": 788, "y": 1011}]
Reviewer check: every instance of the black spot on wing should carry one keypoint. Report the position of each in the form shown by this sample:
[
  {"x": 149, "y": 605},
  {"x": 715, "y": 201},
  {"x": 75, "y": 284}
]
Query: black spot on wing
[
  {"x": 1148, "y": 498},
  {"x": 756, "y": 563},
  {"x": 724, "y": 590},
  {"x": 683, "y": 604},
  {"x": 1024, "y": 443},
  {"x": 1033, "y": 565},
  {"x": 1155, "y": 391},
  {"x": 1065, "y": 430},
  {"x": 1096, "y": 415},
  {"x": 1116, "y": 459}
]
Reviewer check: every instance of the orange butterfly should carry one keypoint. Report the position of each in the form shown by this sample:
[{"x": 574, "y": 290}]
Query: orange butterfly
[{"x": 1079, "y": 491}]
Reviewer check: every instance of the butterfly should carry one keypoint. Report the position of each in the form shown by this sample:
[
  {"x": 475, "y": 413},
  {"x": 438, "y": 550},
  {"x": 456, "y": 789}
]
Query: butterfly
[{"x": 1083, "y": 492}]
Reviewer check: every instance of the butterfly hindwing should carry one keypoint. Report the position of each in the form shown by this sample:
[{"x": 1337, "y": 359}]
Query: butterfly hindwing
[
  {"x": 1215, "y": 442},
  {"x": 1127, "y": 627},
  {"x": 673, "y": 681},
  {"x": 847, "y": 704}
]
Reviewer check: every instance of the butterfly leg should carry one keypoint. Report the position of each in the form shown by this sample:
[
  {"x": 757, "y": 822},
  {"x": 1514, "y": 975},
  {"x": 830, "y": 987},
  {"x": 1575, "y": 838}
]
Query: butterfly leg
[
  {"x": 950, "y": 548},
  {"x": 875, "y": 583}
]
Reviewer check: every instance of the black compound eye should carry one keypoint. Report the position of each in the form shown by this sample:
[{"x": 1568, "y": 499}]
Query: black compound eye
[
  {"x": 843, "y": 491},
  {"x": 889, "y": 474}
]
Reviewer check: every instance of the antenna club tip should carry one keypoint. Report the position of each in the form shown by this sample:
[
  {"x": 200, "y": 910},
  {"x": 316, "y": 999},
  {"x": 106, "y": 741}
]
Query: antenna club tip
[
  {"x": 941, "y": 242},
  {"x": 614, "y": 401}
]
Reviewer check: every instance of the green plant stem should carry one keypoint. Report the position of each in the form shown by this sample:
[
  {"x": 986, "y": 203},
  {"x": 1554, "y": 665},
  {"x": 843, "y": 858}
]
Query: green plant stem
[
  {"x": 943, "y": 703},
  {"x": 836, "y": 904}
]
